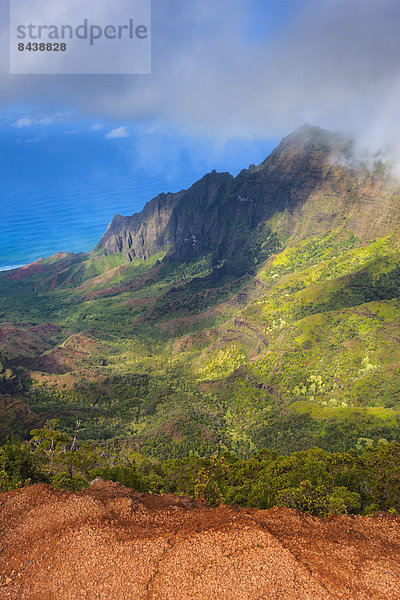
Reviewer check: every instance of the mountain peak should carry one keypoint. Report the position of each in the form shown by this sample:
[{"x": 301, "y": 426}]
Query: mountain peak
[
  {"x": 218, "y": 213},
  {"x": 308, "y": 138},
  {"x": 312, "y": 133}
]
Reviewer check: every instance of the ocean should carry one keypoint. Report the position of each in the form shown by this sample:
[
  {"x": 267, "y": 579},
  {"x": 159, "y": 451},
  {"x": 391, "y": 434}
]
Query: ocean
[
  {"x": 42, "y": 219},
  {"x": 61, "y": 197},
  {"x": 59, "y": 190}
]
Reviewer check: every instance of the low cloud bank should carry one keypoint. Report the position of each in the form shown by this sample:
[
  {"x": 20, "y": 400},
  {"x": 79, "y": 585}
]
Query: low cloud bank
[{"x": 333, "y": 63}]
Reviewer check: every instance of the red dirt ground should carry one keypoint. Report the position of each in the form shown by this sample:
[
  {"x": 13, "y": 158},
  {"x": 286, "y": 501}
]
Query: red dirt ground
[{"x": 111, "y": 543}]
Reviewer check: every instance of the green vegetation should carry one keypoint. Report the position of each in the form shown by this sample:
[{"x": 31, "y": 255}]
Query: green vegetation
[
  {"x": 168, "y": 361},
  {"x": 313, "y": 481},
  {"x": 274, "y": 324}
]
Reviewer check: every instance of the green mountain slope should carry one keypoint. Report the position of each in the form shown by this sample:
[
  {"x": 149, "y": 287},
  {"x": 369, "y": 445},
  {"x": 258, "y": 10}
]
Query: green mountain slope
[{"x": 248, "y": 312}]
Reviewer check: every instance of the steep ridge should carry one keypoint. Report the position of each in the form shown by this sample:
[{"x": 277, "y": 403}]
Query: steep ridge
[
  {"x": 219, "y": 212},
  {"x": 111, "y": 542}
]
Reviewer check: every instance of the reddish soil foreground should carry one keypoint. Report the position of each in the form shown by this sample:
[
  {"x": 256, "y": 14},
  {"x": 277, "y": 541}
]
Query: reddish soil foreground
[{"x": 111, "y": 543}]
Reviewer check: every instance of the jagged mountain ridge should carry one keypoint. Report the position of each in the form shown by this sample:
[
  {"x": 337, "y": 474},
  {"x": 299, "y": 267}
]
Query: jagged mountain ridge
[{"x": 219, "y": 212}]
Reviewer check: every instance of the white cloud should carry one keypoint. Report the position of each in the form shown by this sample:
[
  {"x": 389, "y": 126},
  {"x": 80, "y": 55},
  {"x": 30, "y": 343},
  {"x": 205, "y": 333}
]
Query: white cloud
[
  {"x": 47, "y": 120},
  {"x": 96, "y": 127},
  {"x": 24, "y": 122},
  {"x": 28, "y": 141},
  {"x": 40, "y": 120},
  {"x": 52, "y": 118},
  {"x": 120, "y": 132},
  {"x": 334, "y": 63}
]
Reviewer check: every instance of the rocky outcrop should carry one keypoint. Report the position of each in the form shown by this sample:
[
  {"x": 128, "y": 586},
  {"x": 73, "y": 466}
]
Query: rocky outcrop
[
  {"x": 110, "y": 542},
  {"x": 219, "y": 213},
  {"x": 171, "y": 222},
  {"x": 143, "y": 234}
]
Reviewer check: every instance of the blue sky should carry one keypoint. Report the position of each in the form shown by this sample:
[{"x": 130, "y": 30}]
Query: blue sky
[{"x": 229, "y": 79}]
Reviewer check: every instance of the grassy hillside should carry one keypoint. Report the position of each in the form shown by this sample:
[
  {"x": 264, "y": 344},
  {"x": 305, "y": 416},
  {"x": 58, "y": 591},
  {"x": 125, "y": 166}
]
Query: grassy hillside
[{"x": 289, "y": 341}]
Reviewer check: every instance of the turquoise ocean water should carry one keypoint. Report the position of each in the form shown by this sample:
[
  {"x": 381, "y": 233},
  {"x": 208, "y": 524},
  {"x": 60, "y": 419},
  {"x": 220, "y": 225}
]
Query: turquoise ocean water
[
  {"x": 59, "y": 191},
  {"x": 60, "y": 197}
]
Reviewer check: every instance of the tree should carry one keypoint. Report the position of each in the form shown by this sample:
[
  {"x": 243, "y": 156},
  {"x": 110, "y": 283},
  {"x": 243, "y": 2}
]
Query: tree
[
  {"x": 380, "y": 473},
  {"x": 49, "y": 444},
  {"x": 17, "y": 467}
]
